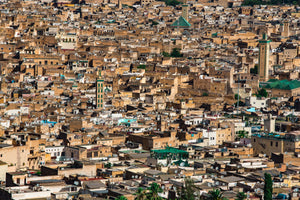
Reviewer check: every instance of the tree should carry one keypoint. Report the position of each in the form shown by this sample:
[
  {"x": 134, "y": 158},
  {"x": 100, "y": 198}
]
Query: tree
[
  {"x": 188, "y": 190},
  {"x": 121, "y": 198},
  {"x": 107, "y": 165},
  {"x": 154, "y": 189},
  {"x": 241, "y": 196},
  {"x": 241, "y": 103},
  {"x": 262, "y": 93},
  {"x": 254, "y": 70},
  {"x": 141, "y": 194},
  {"x": 165, "y": 54},
  {"x": 215, "y": 195},
  {"x": 242, "y": 134},
  {"x": 236, "y": 97},
  {"x": 205, "y": 94},
  {"x": 268, "y": 188},
  {"x": 176, "y": 53}
]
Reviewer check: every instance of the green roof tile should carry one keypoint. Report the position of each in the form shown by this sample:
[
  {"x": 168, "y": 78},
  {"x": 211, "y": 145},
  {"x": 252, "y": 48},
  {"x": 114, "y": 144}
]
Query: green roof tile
[
  {"x": 181, "y": 22},
  {"x": 282, "y": 84}
]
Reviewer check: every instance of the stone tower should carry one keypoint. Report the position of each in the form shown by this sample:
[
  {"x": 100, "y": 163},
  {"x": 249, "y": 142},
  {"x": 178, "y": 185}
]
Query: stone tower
[
  {"x": 100, "y": 92},
  {"x": 285, "y": 29},
  {"x": 263, "y": 59},
  {"x": 269, "y": 124},
  {"x": 185, "y": 12}
]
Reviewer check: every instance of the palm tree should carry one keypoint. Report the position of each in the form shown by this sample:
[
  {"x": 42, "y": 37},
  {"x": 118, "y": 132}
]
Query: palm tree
[
  {"x": 121, "y": 198},
  {"x": 188, "y": 190},
  {"x": 154, "y": 190},
  {"x": 241, "y": 196},
  {"x": 215, "y": 195},
  {"x": 140, "y": 194}
]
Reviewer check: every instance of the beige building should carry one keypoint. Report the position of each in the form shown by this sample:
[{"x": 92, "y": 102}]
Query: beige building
[
  {"x": 15, "y": 156},
  {"x": 272, "y": 143}
]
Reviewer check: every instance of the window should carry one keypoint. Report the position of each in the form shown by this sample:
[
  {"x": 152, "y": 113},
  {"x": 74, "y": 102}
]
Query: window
[
  {"x": 271, "y": 143},
  {"x": 276, "y": 144}
]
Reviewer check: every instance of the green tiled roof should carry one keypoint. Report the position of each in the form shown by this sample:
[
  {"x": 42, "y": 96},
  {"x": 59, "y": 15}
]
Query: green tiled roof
[
  {"x": 282, "y": 84},
  {"x": 169, "y": 150},
  {"x": 181, "y": 22}
]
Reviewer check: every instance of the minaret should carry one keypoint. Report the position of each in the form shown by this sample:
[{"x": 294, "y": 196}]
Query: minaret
[
  {"x": 285, "y": 29},
  {"x": 185, "y": 12},
  {"x": 263, "y": 59},
  {"x": 99, "y": 91},
  {"x": 120, "y": 4}
]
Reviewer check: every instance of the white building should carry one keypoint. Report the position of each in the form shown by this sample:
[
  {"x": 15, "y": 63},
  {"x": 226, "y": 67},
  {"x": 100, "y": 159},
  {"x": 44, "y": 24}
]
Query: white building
[
  {"x": 256, "y": 102},
  {"x": 55, "y": 151}
]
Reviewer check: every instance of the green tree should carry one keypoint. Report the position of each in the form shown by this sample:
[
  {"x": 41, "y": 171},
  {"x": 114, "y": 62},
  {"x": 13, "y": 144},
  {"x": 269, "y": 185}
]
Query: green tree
[
  {"x": 242, "y": 134},
  {"x": 268, "y": 188},
  {"x": 205, "y": 94},
  {"x": 241, "y": 103},
  {"x": 154, "y": 189},
  {"x": 176, "y": 53},
  {"x": 254, "y": 70},
  {"x": 262, "y": 93},
  {"x": 188, "y": 191},
  {"x": 165, "y": 54},
  {"x": 241, "y": 196},
  {"x": 215, "y": 195},
  {"x": 107, "y": 165},
  {"x": 141, "y": 194},
  {"x": 121, "y": 198},
  {"x": 236, "y": 97}
]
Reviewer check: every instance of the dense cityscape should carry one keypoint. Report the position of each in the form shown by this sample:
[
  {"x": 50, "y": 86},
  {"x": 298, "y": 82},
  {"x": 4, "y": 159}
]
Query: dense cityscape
[{"x": 149, "y": 100}]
